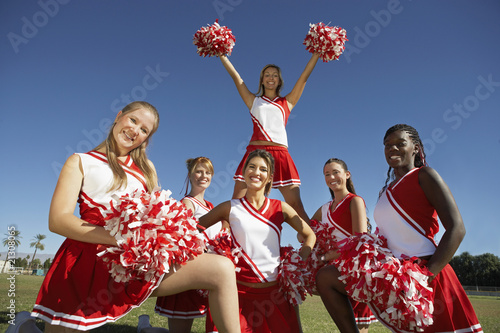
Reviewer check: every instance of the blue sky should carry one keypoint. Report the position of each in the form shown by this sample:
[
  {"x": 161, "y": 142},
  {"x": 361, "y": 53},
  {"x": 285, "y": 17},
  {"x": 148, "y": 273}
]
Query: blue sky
[{"x": 67, "y": 67}]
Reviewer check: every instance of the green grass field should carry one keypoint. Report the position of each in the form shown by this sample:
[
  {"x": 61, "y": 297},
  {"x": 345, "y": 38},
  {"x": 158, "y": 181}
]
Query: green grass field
[{"x": 313, "y": 315}]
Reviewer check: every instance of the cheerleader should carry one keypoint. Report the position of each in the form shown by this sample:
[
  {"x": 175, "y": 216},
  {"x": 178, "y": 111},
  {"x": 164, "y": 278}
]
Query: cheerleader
[
  {"x": 269, "y": 113},
  {"x": 181, "y": 309},
  {"x": 78, "y": 292},
  {"x": 346, "y": 215},
  {"x": 407, "y": 212},
  {"x": 256, "y": 222}
]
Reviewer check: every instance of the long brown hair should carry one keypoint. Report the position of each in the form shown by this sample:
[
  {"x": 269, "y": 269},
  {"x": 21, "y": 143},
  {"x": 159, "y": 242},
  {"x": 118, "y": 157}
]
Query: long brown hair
[
  {"x": 269, "y": 159},
  {"x": 261, "y": 90},
  {"x": 138, "y": 154},
  {"x": 349, "y": 183}
]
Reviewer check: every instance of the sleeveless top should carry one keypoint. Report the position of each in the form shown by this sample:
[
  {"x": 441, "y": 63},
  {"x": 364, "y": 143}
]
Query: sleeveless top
[
  {"x": 258, "y": 233},
  {"x": 269, "y": 119},
  {"x": 406, "y": 218}
]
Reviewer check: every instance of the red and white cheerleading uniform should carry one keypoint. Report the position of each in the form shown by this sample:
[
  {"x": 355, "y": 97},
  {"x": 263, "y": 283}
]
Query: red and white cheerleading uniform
[
  {"x": 78, "y": 291},
  {"x": 189, "y": 304},
  {"x": 409, "y": 222},
  {"x": 341, "y": 220},
  {"x": 258, "y": 233},
  {"x": 269, "y": 119}
]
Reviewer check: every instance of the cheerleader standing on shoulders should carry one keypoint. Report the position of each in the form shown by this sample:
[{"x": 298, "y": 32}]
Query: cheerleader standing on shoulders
[
  {"x": 181, "y": 309},
  {"x": 407, "y": 215},
  {"x": 256, "y": 224},
  {"x": 269, "y": 112},
  {"x": 346, "y": 214},
  {"x": 79, "y": 293}
]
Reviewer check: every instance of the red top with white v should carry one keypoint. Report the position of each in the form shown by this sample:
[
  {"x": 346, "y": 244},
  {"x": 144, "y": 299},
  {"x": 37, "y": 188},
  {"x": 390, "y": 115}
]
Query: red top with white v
[{"x": 406, "y": 218}]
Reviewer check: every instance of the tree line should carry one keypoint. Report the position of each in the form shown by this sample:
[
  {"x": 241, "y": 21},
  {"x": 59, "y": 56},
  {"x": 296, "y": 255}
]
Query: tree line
[
  {"x": 13, "y": 239},
  {"x": 480, "y": 270}
]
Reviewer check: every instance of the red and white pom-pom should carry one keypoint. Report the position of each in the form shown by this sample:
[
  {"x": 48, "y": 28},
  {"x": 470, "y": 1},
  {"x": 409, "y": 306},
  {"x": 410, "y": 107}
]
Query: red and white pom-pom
[
  {"x": 327, "y": 41},
  {"x": 292, "y": 275},
  {"x": 214, "y": 40},
  {"x": 154, "y": 233},
  {"x": 398, "y": 288},
  {"x": 325, "y": 242},
  {"x": 223, "y": 245}
]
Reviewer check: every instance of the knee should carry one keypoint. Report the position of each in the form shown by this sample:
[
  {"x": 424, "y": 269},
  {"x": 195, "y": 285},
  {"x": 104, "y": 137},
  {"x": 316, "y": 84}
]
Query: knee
[
  {"x": 225, "y": 270},
  {"x": 325, "y": 278},
  {"x": 321, "y": 279}
]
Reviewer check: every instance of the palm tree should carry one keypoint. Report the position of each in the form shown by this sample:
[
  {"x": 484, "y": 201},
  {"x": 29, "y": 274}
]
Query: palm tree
[
  {"x": 37, "y": 244},
  {"x": 11, "y": 236}
]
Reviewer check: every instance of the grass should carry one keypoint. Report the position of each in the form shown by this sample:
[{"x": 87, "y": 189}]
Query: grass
[{"x": 312, "y": 312}]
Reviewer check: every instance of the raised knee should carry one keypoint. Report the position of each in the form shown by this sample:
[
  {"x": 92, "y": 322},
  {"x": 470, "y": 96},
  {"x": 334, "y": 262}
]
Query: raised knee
[{"x": 225, "y": 268}]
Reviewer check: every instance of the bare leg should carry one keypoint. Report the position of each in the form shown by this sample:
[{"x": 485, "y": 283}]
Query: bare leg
[
  {"x": 291, "y": 194},
  {"x": 297, "y": 312},
  {"x": 240, "y": 189},
  {"x": 178, "y": 325},
  {"x": 363, "y": 328},
  {"x": 216, "y": 274},
  {"x": 334, "y": 298}
]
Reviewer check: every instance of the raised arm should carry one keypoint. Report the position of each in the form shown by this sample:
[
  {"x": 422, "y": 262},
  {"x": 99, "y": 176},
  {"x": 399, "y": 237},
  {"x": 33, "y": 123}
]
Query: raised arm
[
  {"x": 245, "y": 94},
  {"x": 294, "y": 95},
  {"x": 440, "y": 197},
  {"x": 303, "y": 229},
  {"x": 62, "y": 221}
]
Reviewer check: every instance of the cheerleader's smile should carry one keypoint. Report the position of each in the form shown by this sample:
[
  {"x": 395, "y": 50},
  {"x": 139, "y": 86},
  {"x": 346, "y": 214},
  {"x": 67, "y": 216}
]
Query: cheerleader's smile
[
  {"x": 335, "y": 175},
  {"x": 399, "y": 149},
  {"x": 132, "y": 129},
  {"x": 256, "y": 173},
  {"x": 201, "y": 177}
]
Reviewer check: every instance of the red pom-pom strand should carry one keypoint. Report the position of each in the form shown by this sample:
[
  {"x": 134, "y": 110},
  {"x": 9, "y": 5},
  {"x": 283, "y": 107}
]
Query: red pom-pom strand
[
  {"x": 398, "y": 288},
  {"x": 154, "y": 233},
  {"x": 292, "y": 275},
  {"x": 327, "y": 41},
  {"x": 214, "y": 40}
]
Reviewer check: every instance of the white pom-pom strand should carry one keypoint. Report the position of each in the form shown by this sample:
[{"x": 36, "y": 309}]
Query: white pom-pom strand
[
  {"x": 327, "y": 41},
  {"x": 398, "y": 288},
  {"x": 154, "y": 233},
  {"x": 214, "y": 40}
]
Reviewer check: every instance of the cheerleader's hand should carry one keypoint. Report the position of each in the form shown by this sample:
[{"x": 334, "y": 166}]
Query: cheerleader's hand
[
  {"x": 300, "y": 238},
  {"x": 305, "y": 252}
]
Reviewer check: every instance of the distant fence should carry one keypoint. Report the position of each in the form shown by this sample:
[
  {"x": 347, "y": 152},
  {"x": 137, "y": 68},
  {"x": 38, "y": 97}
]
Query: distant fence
[{"x": 482, "y": 291}]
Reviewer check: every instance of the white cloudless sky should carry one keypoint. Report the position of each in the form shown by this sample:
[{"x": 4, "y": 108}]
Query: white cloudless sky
[{"x": 67, "y": 67}]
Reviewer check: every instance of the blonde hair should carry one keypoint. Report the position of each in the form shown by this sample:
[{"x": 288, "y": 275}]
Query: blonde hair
[
  {"x": 192, "y": 163},
  {"x": 138, "y": 154}
]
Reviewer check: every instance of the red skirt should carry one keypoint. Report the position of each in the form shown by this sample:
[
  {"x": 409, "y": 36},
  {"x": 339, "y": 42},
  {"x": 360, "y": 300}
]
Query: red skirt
[
  {"x": 285, "y": 172},
  {"x": 78, "y": 291},
  {"x": 362, "y": 313},
  {"x": 263, "y": 310},
  {"x": 189, "y": 304},
  {"x": 453, "y": 311}
]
